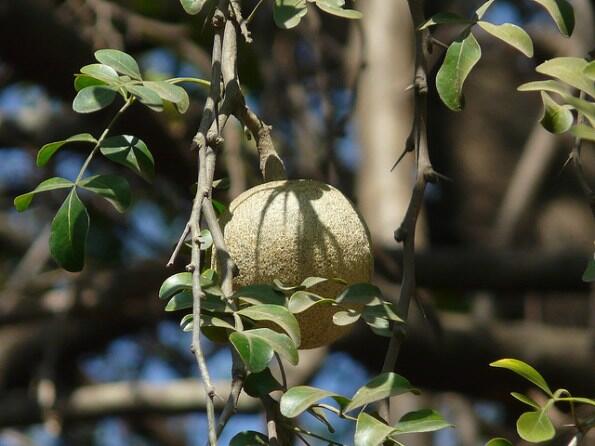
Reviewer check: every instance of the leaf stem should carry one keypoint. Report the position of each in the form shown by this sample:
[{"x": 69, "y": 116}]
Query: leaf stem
[{"x": 85, "y": 165}]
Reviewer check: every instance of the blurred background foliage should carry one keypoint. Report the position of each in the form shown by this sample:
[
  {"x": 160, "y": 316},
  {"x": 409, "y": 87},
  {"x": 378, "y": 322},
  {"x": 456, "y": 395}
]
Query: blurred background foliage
[{"x": 91, "y": 359}]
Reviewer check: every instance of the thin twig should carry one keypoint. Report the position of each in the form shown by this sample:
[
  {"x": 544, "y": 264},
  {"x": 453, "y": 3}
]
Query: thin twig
[{"x": 179, "y": 245}]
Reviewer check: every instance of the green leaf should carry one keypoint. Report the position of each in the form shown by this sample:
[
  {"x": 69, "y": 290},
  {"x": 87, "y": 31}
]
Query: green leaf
[
  {"x": 288, "y": 13},
  {"x": 425, "y": 420},
  {"x": 569, "y": 70},
  {"x": 183, "y": 281},
  {"x": 583, "y": 132},
  {"x": 146, "y": 96},
  {"x": 480, "y": 12},
  {"x": 445, "y": 18},
  {"x": 589, "y": 274},
  {"x": 498, "y": 442},
  {"x": 180, "y": 301},
  {"x": 261, "y": 383},
  {"x": 113, "y": 188},
  {"x": 589, "y": 70},
  {"x": 385, "y": 310},
  {"x": 525, "y": 400},
  {"x": 331, "y": 7},
  {"x": 192, "y": 7},
  {"x": 556, "y": 118},
  {"x": 360, "y": 294},
  {"x": 172, "y": 93},
  {"x": 48, "y": 150},
  {"x": 578, "y": 399},
  {"x": 276, "y": 314},
  {"x": 256, "y": 347},
  {"x": 461, "y": 57},
  {"x": 346, "y": 317},
  {"x": 525, "y": 370},
  {"x": 585, "y": 107},
  {"x": 247, "y": 438},
  {"x": 299, "y": 398},
  {"x": 369, "y": 431},
  {"x": 83, "y": 81},
  {"x": 131, "y": 152},
  {"x": 381, "y": 387},
  {"x": 23, "y": 201},
  {"x": 186, "y": 322},
  {"x": 120, "y": 61},
  {"x": 205, "y": 239},
  {"x": 535, "y": 427},
  {"x": 69, "y": 233},
  {"x": 562, "y": 13},
  {"x": 300, "y": 301},
  {"x": 94, "y": 98},
  {"x": 101, "y": 72},
  {"x": 511, "y": 34},
  {"x": 551, "y": 86},
  {"x": 260, "y": 294}
]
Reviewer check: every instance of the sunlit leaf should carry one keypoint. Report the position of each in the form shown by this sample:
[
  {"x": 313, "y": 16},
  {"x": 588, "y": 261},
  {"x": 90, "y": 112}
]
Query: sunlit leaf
[
  {"x": 256, "y": 347},
  {"x": 101, "y": 72},
  {"x": 277, "y": 314},
  {"x": 562, "y": 13},
  {"x": 299, "y": 398},
  {"x": 535, "y": 427},
  {"x": 462, "y": 55},
  {"x": 525, "y": 370},
  {"x": 369, "y": 431},
  {"x": 120, "y": 61},
  {"x": 589, "y": 70},
  {"x": 147, "y": 97},
  {"x": 301, "y": 301},
  {"x": 425, "y": 420},
  {"x": 513, "y": 35},
  {"x": 480, "y": 12},
  {"x": 525, "y": 400},
  {"x": 346, "y": 317},
  {"x": 556, "y": 118},
  {"x": 360, "y": 294},
  {"x": 332, "y": 7},
  {"x": 498, "y": 442},
  {"x": 23, "y": 201},
  {"x": 192, "y": 7},
  {"x": 569, "y": 70},
  {"x": 172, "y": 93},
  {"x": 584, "y": 132},
  {"x": 48, "y": 150},
  {"x": 68, "y": 234},
  {"x": 383, "y": 386},
  {"x": 113, "y": 188},
  {"x": 83, "y": 81},
  {"x": 550, "y": 85}
]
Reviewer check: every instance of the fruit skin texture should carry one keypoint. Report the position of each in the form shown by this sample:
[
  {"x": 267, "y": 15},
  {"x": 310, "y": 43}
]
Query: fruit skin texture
[{"x": 294, "y": 229}]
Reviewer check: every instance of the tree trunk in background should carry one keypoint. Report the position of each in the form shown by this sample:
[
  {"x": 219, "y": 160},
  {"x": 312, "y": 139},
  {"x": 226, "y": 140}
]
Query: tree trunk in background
[{"x": 384, "y": 115}]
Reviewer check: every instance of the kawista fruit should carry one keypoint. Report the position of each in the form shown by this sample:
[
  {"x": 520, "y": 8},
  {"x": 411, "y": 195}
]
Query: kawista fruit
[{"x": 293, "y": 229}]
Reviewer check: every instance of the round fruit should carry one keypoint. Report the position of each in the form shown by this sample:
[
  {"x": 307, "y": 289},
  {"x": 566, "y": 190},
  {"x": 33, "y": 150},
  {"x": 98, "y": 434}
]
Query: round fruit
[{"x": 293, "y": 229}]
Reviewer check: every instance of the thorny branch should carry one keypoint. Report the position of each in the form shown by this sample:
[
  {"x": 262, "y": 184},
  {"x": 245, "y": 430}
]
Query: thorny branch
[{"x": 425, "y": 174}]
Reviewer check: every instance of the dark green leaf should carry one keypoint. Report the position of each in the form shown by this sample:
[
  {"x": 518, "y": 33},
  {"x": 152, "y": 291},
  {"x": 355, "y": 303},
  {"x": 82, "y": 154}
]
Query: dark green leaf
[
  {"x": 445, "y": 18},
  {"x": 535, "y": 427},
  {"x": 525, "y": 400},
  {"x": 256, "y": 347},
  {"x": 131, "y": 152},
  {"x": 146, "y": 96},
  {"x": 83, "y": 81},
  {"x": 48, "y": 150},
  {"x": 288, "y": 13},
  {"x": 186, "y": 322},
  {"x": 589, "y": 274},
  {"x": 369, "y": 431},
  {"x": 277, "y": 314},
  {"x": 94, "y": 98},
  {"x": 298, "y": 399},
  {"x": 220, "y": 208},
  {"x": 381, "y": 387},
  {"x": 569, "y": 70},
  {"x": 556, "y": 118},
  {"x": 385, "y": 310},
  {"x": 261, "y": 383},
  {"x": 360, "y": 294},
  {"x": 425, "y": 420},
  {"x": 511, "y": 34},
  {"x": 184, "y": 300},
  {"x": 101, "y": 72},
  {"x": 69, "y": 233},
  {"x": 331, "y": 7},
  {"x": 248, "y": 438},
  {"x": 562, "y": 13},
  {"x": 172, "y": 93},
  {"x": 121, "y": 62},
  {"x": 23, "y": 201},
  {"x": 584, "y": 132},
  {"x": 113, "y": 188},
  {"x": 183, "y": 281},
  {"x": 461, "y": 57},
  {"x": 260, "y": 294},
  {"x": 525, "y": 370}
]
